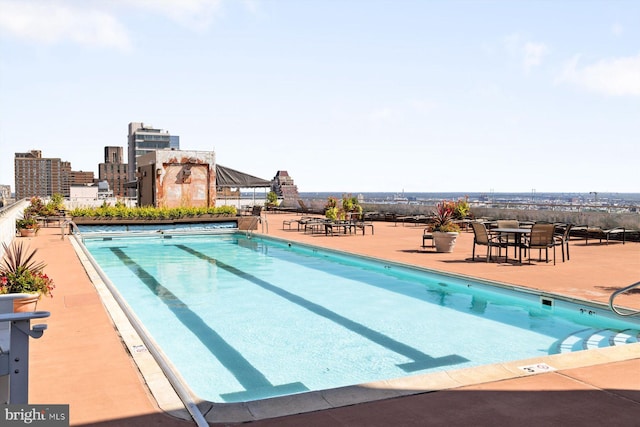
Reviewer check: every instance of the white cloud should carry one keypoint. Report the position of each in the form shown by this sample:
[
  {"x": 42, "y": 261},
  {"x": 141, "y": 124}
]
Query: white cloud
[
  {"x": 533, "y": 53},
  {"x": 54, "y": 22},
  {"x": 98, "y": 23},
  {"x": 529, "y": 53},
  {"x": 612, "y": 76}
]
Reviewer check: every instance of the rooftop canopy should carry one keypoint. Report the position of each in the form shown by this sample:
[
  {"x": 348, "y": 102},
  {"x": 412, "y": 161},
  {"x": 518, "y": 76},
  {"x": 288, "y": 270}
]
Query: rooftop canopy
[{"x": 227, "y": 177}]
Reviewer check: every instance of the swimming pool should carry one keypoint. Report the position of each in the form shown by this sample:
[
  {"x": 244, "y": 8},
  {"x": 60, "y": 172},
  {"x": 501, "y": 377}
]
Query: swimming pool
[{"x": 245, "y": 319}]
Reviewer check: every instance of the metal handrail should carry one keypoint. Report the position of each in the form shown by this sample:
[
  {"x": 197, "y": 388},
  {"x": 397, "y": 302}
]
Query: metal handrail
[
  {"x": 618, "y": 292},
  {"x": 71, "y": 224},
  {"x": 256, "y": 219}
]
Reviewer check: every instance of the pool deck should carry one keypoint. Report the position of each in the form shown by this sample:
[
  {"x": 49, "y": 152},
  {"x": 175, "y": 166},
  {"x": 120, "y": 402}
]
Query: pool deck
[{"x": 83, "y": 361}]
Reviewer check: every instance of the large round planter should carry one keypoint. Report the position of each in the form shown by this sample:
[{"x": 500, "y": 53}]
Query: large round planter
[
  {"x": 27, "y": 232},
  {"x": 444, "y": 241},
  {"x": 23, "y": 305}
]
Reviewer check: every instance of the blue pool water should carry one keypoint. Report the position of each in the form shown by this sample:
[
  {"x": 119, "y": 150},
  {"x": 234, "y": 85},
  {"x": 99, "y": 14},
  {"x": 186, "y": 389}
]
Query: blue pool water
[{"x": 244, "y": 319}]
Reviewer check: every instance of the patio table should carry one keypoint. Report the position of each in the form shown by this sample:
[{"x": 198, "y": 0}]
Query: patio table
[{"x": 517, "y": 233}]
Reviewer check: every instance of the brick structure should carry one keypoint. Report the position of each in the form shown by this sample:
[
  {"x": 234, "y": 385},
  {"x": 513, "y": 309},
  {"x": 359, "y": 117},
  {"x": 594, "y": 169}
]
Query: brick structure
[{"x": 284, "y": 187}]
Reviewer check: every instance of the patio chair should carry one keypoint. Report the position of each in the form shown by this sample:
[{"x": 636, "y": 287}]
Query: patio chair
[
  {"x": 562, "y": 239},
  {"x": 541, "y": 237},
  {"x": 482, "y": 237},
  {"x": 427, "y": 234}
]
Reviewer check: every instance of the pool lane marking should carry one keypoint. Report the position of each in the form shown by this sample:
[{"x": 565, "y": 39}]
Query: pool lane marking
[
  {"x": 246, "y": 374},
  {"x": 420, "y": 359}
]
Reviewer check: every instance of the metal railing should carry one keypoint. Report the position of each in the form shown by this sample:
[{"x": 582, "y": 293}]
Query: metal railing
[
  {"x": 624, "y": 312},
  {"x": 71, "y": 225},
  {"x": 254, "y": 222}
]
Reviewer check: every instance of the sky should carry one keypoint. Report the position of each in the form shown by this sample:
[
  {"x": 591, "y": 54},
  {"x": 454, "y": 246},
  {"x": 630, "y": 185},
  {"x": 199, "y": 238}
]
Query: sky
[{"x": 346, "y": 95}]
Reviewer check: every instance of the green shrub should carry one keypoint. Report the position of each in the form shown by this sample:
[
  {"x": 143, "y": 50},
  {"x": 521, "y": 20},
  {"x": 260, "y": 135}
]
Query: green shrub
[{"x": 148, "y": 212}]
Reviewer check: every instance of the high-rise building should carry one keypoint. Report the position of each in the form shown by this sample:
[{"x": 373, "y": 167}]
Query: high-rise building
[
  {"x": 43, "y": 177},
  {"x": 174, "y": 142},
  {"x": 143, "y": 139},
  {"x": 114, "y": 171},
  {"x": 39, "y": 176}
]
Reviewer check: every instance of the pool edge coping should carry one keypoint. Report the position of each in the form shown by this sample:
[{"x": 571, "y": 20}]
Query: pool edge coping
[{"x": 169, "y": 401}]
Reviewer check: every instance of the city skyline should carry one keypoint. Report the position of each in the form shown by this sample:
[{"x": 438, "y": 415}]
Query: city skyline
[{"x": 357, "y": 96}]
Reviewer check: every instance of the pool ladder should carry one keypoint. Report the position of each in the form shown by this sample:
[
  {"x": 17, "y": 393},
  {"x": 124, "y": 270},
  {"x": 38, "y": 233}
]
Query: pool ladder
[
  {"x": 621, "y": 291},
  {"x": 71, "y": 225},
  {"x": 254, "y": 222}
]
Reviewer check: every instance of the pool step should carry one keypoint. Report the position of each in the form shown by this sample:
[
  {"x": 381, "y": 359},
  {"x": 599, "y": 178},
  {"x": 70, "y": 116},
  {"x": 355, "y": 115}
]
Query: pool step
[{"x": 588, "y": 339}]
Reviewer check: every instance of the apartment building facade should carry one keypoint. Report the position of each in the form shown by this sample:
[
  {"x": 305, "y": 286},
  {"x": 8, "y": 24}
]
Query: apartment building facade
[
  {"x": 81, "y": 178},
  {"x": 114, "y": 171},
  {"x": 37, "y": 176},
  {"x": 40, "y": 176}
]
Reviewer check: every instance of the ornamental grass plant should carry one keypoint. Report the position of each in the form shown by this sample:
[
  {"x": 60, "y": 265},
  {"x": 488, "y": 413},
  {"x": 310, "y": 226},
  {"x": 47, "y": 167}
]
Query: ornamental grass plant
[
  {"x": 443, "y": 217},
  {"x": 21, "y": 273}
]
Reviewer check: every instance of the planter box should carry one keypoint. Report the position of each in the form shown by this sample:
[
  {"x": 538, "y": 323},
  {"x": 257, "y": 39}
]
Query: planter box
[{"x": 81, "y": 220}]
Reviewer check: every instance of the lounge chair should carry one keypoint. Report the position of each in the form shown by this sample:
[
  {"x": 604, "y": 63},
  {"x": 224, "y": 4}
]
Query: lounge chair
[
  {"x": 362, "y": 224},
  {"x": 300, "y": 223},
  {"x": 289, "y": 222},
  {"x": 312, "y": 224},
  {"x": 599, "y": 233},
  {"x": 541, "y": 237},
  {"x": 303, "y": 207},
  {"x": 482, "y": 237}
]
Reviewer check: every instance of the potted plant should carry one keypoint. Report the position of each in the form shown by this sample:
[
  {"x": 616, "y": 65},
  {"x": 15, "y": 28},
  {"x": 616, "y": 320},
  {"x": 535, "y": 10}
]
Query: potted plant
[
  {"x": 462, "y": 210},
  {"x": 349, "y": 209},
  {"x": 445, "y": 231},
  {"x": 272, "y": 200},
  {"x": 331, "y": 210},
  {"x": 20, "y": 273},
  {"x": 27, "y": 226}
]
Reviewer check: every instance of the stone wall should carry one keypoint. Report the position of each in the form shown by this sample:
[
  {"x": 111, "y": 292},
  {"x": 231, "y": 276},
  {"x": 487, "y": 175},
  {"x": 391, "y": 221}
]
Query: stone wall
[{"x": 628, "y": 220}]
